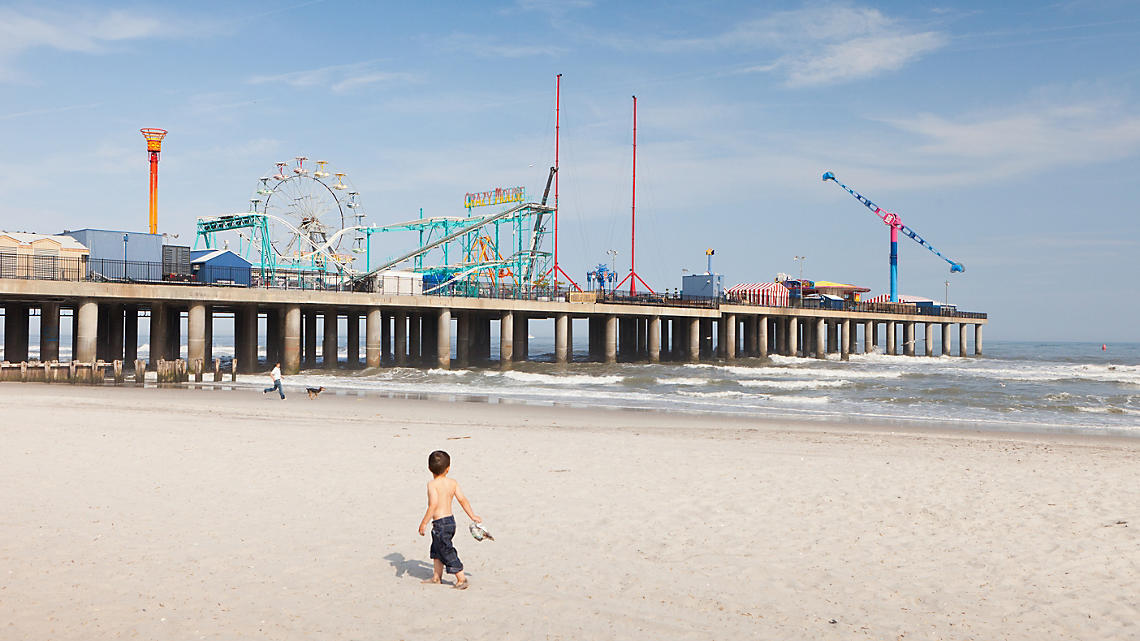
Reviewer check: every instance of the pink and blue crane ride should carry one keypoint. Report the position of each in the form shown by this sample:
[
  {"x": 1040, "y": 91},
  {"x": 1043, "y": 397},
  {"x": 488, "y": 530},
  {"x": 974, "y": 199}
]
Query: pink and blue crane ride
[{"x": 893, "y": 221}]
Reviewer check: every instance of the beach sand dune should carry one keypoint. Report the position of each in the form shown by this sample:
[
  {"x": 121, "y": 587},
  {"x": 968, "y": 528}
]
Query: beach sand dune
[{"x": 196, "y": 514}]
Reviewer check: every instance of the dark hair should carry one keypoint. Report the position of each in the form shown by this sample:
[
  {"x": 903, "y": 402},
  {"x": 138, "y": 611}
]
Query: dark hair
[{"x": 438, "y": 462}]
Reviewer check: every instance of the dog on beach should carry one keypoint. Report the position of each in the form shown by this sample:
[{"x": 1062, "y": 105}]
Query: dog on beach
[{"x": 314, "y": 391}]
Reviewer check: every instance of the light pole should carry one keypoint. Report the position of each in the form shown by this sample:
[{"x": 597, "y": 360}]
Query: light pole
[
  {"x": 946, "y": 297},
  {"x": 801, "y": 259},
  {"x": 613, "y": 260}
]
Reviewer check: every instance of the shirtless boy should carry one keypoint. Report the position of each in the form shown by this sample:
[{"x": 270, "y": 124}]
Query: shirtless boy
[{"x": 441, "y": 490}]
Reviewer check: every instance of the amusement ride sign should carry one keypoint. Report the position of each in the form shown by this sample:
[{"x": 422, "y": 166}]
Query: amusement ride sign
[{"x": 499, "y": 196}]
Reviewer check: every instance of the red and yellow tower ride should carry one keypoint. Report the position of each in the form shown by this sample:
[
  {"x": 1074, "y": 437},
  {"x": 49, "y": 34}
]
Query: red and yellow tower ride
[{"x": 154, "y": 148}]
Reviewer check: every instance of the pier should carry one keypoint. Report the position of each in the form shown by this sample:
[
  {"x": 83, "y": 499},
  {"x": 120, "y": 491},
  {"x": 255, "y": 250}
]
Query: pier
[{"x": 418, "y": 330}]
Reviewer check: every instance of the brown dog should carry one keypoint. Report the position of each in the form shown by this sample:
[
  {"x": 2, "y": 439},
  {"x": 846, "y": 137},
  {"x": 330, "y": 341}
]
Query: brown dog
[{"x": 314, "y": 391}]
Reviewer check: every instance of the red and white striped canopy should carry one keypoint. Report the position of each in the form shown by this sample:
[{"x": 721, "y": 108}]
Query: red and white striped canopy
[{"x": 769, "y": 294}]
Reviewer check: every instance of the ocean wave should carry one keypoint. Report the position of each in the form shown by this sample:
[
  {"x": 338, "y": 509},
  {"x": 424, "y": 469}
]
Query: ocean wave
[
  {"x": 561, "y": 379},
  {"x": 795, "y": 385}
]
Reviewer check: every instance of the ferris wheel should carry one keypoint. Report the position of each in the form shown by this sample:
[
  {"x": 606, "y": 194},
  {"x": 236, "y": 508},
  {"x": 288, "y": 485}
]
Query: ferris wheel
[{"x": 309, "y": 209}]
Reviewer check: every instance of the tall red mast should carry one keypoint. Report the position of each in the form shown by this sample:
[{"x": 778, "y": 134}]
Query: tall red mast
[
  {"x": 557, "y": 115},
  {"x": 633, "y": 278}
]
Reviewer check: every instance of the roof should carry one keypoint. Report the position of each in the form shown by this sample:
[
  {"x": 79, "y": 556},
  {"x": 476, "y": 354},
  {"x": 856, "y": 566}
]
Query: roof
[
  {"x": 207, "y": 256},
  {"x": 829, "y": 285},
  {"x": 27, "y": 238},
  {"x": 903, "y": 298}
]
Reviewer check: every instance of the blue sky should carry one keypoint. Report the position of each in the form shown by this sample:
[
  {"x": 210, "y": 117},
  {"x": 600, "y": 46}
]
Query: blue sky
[{"x": 1006, "y": 134}]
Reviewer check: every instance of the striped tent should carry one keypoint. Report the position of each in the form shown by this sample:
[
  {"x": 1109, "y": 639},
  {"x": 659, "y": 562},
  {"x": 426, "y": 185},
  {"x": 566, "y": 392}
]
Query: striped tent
[{"x": 769, "y": 294}]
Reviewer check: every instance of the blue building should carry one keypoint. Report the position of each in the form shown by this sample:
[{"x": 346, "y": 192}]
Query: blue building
[
  {"x": 220, "y": 267},
  {"x": 121, "y": 254}
]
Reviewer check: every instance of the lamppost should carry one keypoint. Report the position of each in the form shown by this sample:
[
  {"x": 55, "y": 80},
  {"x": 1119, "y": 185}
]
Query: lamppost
[
  {"x": 613, "y": 261},
  {"x": 801, "y": 259},
  {"x": 946, "y": 297},
  {"x": 126, "y": 238}
]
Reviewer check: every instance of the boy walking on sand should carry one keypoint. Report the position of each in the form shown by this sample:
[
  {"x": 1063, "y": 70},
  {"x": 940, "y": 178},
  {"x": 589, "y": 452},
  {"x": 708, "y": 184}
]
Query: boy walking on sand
[{"x": 441, "y": 490}]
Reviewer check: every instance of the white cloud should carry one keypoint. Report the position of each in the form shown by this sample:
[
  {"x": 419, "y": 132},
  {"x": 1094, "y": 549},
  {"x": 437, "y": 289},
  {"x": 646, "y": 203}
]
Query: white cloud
[
  {"x": 817, "y": 46},
  {"x": 78, "y": 31},
  {"x": 993, "y": 146},
  {"x": 859, "y": 58},
  {"x": 338, "y": 78},
  {"x": 486, "y": 48}
]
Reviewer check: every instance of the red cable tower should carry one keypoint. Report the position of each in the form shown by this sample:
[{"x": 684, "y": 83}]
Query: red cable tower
[
  {"x": 633, "y": 278},
  {"x": 154, "y": 148},
  {"x": 557, "y": 115}
]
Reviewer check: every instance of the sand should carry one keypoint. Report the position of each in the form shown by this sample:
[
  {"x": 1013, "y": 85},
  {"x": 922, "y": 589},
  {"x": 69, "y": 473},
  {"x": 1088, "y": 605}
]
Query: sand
[{"x": 195, "y": 514}]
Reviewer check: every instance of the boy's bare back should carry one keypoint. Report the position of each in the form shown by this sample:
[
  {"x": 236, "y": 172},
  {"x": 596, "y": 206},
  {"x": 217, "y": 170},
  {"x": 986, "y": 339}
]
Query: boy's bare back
[{"x": 441, "y": 492}]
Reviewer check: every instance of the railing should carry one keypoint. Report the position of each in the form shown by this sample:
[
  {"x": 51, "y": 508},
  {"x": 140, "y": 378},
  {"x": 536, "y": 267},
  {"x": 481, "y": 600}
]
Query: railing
[{"x": 33, "y": 267}]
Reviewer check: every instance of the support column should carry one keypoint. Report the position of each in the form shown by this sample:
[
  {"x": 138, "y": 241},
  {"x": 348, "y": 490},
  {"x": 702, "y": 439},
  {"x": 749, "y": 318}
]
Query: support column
[
  {"x": 643, "y": 337},
  {"x": 794, "y": 336},
  {"x": 415, "y": 338},
  {"x": 49, "y": 332},
  {"x": 210, "y": 335},
  {"x": 666, "y": 337},
  {"x": 272, "y": 336},
  {"x": 694, "y": 332},
  {"x": 385, "y": 336},
  {"x": 561, "y": 322},
  {"x": 443, "y": 339},
  {"x": 114, "y": 332},
  {"x": 247, "y": 361},
  {"x": 196, "y": 335},
  {"x": 832, "y": 337},
  {"x": 721, "y": 338},
  {"x": 521, "y": 339},
  {"x": 845, "y": 339},
  {"x": 874, "y": 334},
  {"x": 292, "y": 349},
  {"x": 401, "y": 348},
  {"x": 868, "y": 336},
  {"x": 88, "y": 313},
  {"x": 729, "y": 333},
  {"x": 609, "y": 342},
  {"x": 173, "y": 333},
  {"x": 780, "y": 324},
  {"x": 929, "y": 339},
  {"x": 157, "y": 338},
  {"x": 372, "y": 333},
  {"x": 762, "y": 337},
  {"x": 751, "y": 346},
  {"x": 946, "y": 342},
  {"x": 707, "y": 338},
  {"x": 130, "y": 334},
  {"x": 908, "y": 337},
  {"x": 329, "y": 349},
  {"x": 16, "y": 332},
  {"x": 962, "y": 339},
  {"x": 655, "y": 339},
  {"x": 569, "y": 338},
  {"x": 977, "y": 339},
  {"x": 506, "y": 339},
  {"x": 353, "y": 329},
  {"x": 463, "y": 339},
  {"x": 310, "y": 339},
  {"x": 820, "y": 338},
  {"x": 892, "y": 344}
]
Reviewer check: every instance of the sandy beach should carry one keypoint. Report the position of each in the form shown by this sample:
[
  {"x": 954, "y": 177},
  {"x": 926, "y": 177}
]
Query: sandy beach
[{"x": 202, "y": 514}]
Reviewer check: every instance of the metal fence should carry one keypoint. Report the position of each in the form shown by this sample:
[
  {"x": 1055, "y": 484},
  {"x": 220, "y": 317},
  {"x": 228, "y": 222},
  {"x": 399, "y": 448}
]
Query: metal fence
[{"x": 40, "y": 267}]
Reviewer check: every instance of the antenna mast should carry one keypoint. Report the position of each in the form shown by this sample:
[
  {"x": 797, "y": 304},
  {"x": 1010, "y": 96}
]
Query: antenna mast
[
  {"x": 557, "y": 125},
  {"x": 633, "y": 278}
]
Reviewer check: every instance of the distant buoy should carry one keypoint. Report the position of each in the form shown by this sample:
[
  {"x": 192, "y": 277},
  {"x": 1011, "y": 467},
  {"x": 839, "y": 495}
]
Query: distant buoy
[{"x": 1104, "y": 348}]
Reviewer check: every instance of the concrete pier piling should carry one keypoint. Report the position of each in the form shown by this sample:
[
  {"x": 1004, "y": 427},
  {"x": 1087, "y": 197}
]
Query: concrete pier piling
[
  {"x": 962, "y": 340},
  {"x": 506, "y": 339},
  {"x": 561, "y": 336},
  {"x": 443, "y": 339}
]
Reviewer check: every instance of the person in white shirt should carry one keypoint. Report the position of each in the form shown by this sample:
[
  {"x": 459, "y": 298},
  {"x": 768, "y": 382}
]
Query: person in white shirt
[{"x": 276, "y": 376}]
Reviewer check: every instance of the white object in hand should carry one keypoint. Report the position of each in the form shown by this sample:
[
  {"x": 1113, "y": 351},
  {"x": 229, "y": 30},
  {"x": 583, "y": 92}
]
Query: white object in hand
[{"x": 480, "y": 532}]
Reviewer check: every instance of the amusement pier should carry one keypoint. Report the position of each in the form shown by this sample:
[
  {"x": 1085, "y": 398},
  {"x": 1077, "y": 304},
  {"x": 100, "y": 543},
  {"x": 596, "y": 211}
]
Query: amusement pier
[{"x": 303, "y": 261}]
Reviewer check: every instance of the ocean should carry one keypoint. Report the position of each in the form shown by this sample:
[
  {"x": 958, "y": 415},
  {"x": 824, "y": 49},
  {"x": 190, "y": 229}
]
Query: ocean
[{"x": 1016, "y": 386}]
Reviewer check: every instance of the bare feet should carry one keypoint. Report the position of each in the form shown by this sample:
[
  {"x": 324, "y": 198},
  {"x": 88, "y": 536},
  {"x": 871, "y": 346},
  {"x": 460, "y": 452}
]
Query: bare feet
[
  {"x": 461, "y": 585},
  {"x": 434, "y": 579}
]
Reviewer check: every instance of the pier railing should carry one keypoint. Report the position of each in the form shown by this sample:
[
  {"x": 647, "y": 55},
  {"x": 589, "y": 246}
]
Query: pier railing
[{"x": 69, "y": 268}]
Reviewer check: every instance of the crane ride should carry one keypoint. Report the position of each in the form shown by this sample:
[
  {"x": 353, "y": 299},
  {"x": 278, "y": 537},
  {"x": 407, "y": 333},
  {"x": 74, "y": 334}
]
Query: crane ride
[{"x": 895, "y": 223}]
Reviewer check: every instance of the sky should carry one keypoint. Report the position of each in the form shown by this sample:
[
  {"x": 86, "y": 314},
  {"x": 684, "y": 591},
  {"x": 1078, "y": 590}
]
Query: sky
[{"x": 1005, "y": 134}]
